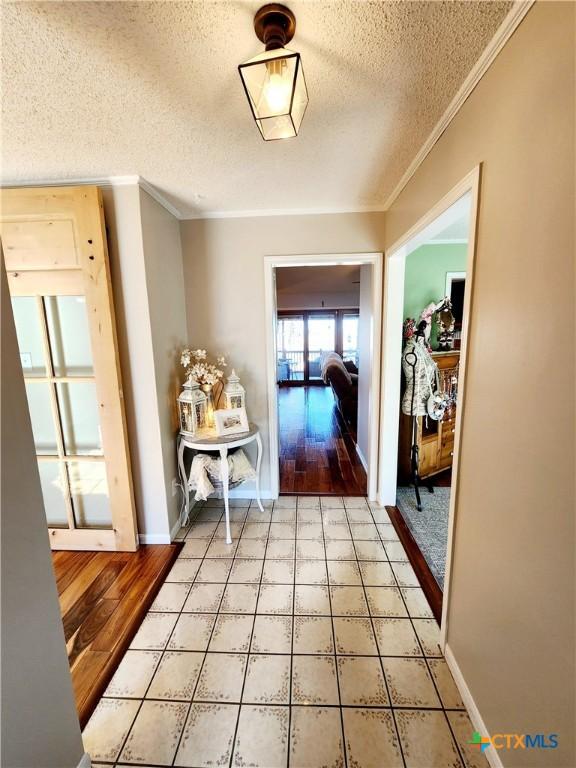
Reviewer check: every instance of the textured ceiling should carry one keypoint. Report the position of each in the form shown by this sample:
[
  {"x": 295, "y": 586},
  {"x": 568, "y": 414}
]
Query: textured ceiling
[{"x": 93, "y": 89}]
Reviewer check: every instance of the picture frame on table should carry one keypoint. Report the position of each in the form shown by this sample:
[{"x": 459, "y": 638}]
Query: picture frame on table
[{"x": 231, "y": 421}]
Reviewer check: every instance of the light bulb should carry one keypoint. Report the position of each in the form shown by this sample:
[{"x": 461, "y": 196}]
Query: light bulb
[{"x": 277, "y": 93}]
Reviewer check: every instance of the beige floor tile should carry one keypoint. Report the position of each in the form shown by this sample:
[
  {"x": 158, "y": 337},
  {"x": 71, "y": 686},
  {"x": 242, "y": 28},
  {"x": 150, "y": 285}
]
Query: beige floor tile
[
  {"x": 377, "y": 574},
  {"x": 238, "y": 514},
  {"x": 364, "y": 531},
  {"x": 313, "y": 634},
  {"x": 201, "y": 530},
  {"x": 426, "y": 740},
  {"x": 310, "y": 531},
  {"x": 275, "y": 598},
  {"x": 184, "y": 571},
  {"x": 311, "y": 572},
  {"x": 362, "y": 682},
  {"x": 240, "y": 598},
  {"x": 235, "y": 528},
  {"x": 133, "y": 675},
  {"x": 255, "y": 548},
  {"x": 387, "y": 532},
  {"x": 246, "y": 571},
  {"x": 396, "y": 637},
  {"x": 176, "y": 675},
  {"x": 170, "y": 598},
  {"x": 192, "y": 632},
  {"x": 155, "y": 734},
  {"x": 370, "y": 550},
  {"x": 210, "y": 514},
  {"x": 256, "y": 516},
  {"x": 428, "y": 633},
  {"x": 154, "y": 632},
  {"x": 267, "y": 680},
  {"x": 385, "y": 601},
  {"x": 262, "y": 737},
  {"x": 395, "y": 551},
  {"x": 214, "y": 571},
  {"x": 343, "y": 573},
  {"x": 284, "y": 515},
  {"x": 310, "y": 550},
  {"x": 310, "y": 516},
  {"x": 337, "y": 531},
  {"x": 316, "y": 738},
  {"x": 218, "y": 548},
  {"x": 278, "y": 572},
  {"x": 194, "y": 548},
  {"x": 340, "y": 550},
  {"x": 272, "y": 634},
  {"x": 331, "y": 502},
  {"x": 416, "y": 603},
  {"x": 463, "y": 729},
  {"x": 232, "y": 633},
  {"x": 348, "y": 601},
  {"x": 354, "y": 636},
  {"x": 208, "y": 736},
  {"x": 181, "y": 534},
  {"x": 285, "y": 502},
  {"x": 334, "y": 516},
  {"x": 221, "y": 677},
  {"x": 282, "y": 531},
  {"x": 204, "y": 598},
  {"x": 371, "y": 739},
  {"x": 283, "y": 549},
  {"x": 355, "y": 502},
  {"x": 107, "y": 728},
  {"x": 405, "y": 575},
  {"x": 311, "y": 600},
  {"x": 449, "y": 693},
  {"x": 409, "y": 683},
  {"x": 308, "y": 502},
  {"x": 268, "y": 504},
  {"x": 255, "y": 530},
  {"x": 314, "y": 680},
  {"x": 359, "y": 516},
  {"x": 380, "y": 515}
]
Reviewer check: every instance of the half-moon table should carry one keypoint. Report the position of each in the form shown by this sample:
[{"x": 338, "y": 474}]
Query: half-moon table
[{"x": 209, "y": 441}]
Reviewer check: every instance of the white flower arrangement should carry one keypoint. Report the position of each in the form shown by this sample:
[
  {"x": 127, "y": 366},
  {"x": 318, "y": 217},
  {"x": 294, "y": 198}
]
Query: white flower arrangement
[{"x": 195, "y": 362}]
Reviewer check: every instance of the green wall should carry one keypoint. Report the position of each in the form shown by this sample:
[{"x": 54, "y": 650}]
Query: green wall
[{"x": 425, "y": 276}]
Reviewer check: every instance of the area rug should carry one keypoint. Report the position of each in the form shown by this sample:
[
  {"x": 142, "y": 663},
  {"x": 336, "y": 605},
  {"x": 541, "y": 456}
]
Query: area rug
[{"x": 428, "y": 527}]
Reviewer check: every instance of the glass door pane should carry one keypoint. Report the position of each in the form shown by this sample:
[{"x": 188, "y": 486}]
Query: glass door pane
[
  {"x": 350, "y": 338},
  {"x": 69, "y": 334},
  {"x": 321, "y": 339},
  {"x": 52, "y": 491},
  {"x": 290, "y": 348},
  {"x": 29, "y": 333}
]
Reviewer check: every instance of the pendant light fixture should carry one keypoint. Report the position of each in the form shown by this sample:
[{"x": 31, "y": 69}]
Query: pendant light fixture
[{"x": 274, "y": 80}]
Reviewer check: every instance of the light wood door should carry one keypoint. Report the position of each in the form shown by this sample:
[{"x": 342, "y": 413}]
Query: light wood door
[{"x": 54, "y": 245}]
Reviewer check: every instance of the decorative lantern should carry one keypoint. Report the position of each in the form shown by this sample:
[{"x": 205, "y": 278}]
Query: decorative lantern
[
  {"x": 274, "y": 80},
  {"x": 192, "y": 407},
  {"x": 234, "y": 392}
]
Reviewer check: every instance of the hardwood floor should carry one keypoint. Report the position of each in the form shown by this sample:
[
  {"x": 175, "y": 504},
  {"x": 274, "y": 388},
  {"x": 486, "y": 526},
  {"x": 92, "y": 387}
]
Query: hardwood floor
[
  {"x": 103, "y": 599},
  {"x": 317, "y": 450}
]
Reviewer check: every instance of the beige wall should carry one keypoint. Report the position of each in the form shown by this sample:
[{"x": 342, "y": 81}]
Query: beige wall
[
  {"x": 39, "y": 723},
  {"x": 512, "y": 602},
  {"x": 224, "y": 276}
]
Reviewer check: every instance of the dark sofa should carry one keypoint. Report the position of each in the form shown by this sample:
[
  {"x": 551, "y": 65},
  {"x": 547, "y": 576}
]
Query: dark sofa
[{"x": 343, "y": 378}]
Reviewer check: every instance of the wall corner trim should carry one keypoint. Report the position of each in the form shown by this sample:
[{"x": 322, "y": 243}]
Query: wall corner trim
[
  {"x": 503, "y": 34},
  {"x": 361, "y": 457},
  {"x": 477, "y": 721},
  {"x": 85, "y": 761}
]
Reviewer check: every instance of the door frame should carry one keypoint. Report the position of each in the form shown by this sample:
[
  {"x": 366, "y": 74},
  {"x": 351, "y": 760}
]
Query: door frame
[
  {"x": 391, "y": 361},
  {"x": 325, "y": 260}
]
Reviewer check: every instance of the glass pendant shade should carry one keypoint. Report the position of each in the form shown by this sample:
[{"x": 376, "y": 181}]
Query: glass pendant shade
[{"x": 276, "y": 90}]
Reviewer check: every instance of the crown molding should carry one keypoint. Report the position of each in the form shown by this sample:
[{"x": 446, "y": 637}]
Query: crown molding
[
  {"x": 100, "y": 181},
  {"x": 257, "y": 212},
  {"x": 512, "y": 20}
]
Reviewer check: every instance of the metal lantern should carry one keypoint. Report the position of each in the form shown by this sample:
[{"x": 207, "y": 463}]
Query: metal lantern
[
  {"x": 234, "y": 392},
  {"x": 274, "y": 80},
  {"x": 192, "y": 408}
]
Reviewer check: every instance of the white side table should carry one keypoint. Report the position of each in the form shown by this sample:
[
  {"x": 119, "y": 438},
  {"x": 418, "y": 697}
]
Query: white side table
[{"x": 209, "y": 441}]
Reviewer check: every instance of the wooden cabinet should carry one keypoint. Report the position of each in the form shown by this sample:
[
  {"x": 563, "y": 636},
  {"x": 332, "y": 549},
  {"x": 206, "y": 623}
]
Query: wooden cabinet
[{"x": 435, "y": 438}]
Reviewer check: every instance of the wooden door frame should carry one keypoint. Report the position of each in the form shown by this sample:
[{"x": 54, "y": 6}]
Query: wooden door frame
[
  {"x": 82, "y": 207},
  {"x": 270, "y": 310},
  {"x": 391, "y": 360}
]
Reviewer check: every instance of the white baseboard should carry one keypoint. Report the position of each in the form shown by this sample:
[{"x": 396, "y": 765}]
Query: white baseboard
[
  {"x": 155, "y": 538},
  {"x": 477, "y": 721},
  {"x": 362, "y": 459},
  {"x": 86, "y": 761}
]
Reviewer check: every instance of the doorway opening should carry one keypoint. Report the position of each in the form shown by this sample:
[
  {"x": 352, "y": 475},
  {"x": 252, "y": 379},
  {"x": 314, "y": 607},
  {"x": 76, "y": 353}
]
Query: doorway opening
[
  {"x": 323, "y": 321},
  {"x": 426, "y": 317}
]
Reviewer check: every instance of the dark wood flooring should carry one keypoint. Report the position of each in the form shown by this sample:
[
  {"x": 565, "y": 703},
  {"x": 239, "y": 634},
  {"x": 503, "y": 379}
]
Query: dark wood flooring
[
  {"x": 103, "y": 599},
  {"x": 317, "y": 449}
]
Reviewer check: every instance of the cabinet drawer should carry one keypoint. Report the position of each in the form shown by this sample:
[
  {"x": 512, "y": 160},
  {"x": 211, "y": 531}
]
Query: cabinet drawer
[{"x": 447, "y": 451}]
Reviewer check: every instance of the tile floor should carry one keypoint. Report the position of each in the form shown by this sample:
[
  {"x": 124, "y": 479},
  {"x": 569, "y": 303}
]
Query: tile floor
[{"x": 306, "y": 643}]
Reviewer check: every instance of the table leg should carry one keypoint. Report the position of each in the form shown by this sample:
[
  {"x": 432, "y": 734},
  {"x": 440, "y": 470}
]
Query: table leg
[
  {"x": 184, "y": 479},
  {"x": 224, "y": 476},
  {"x": 258, "y": 463}
]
